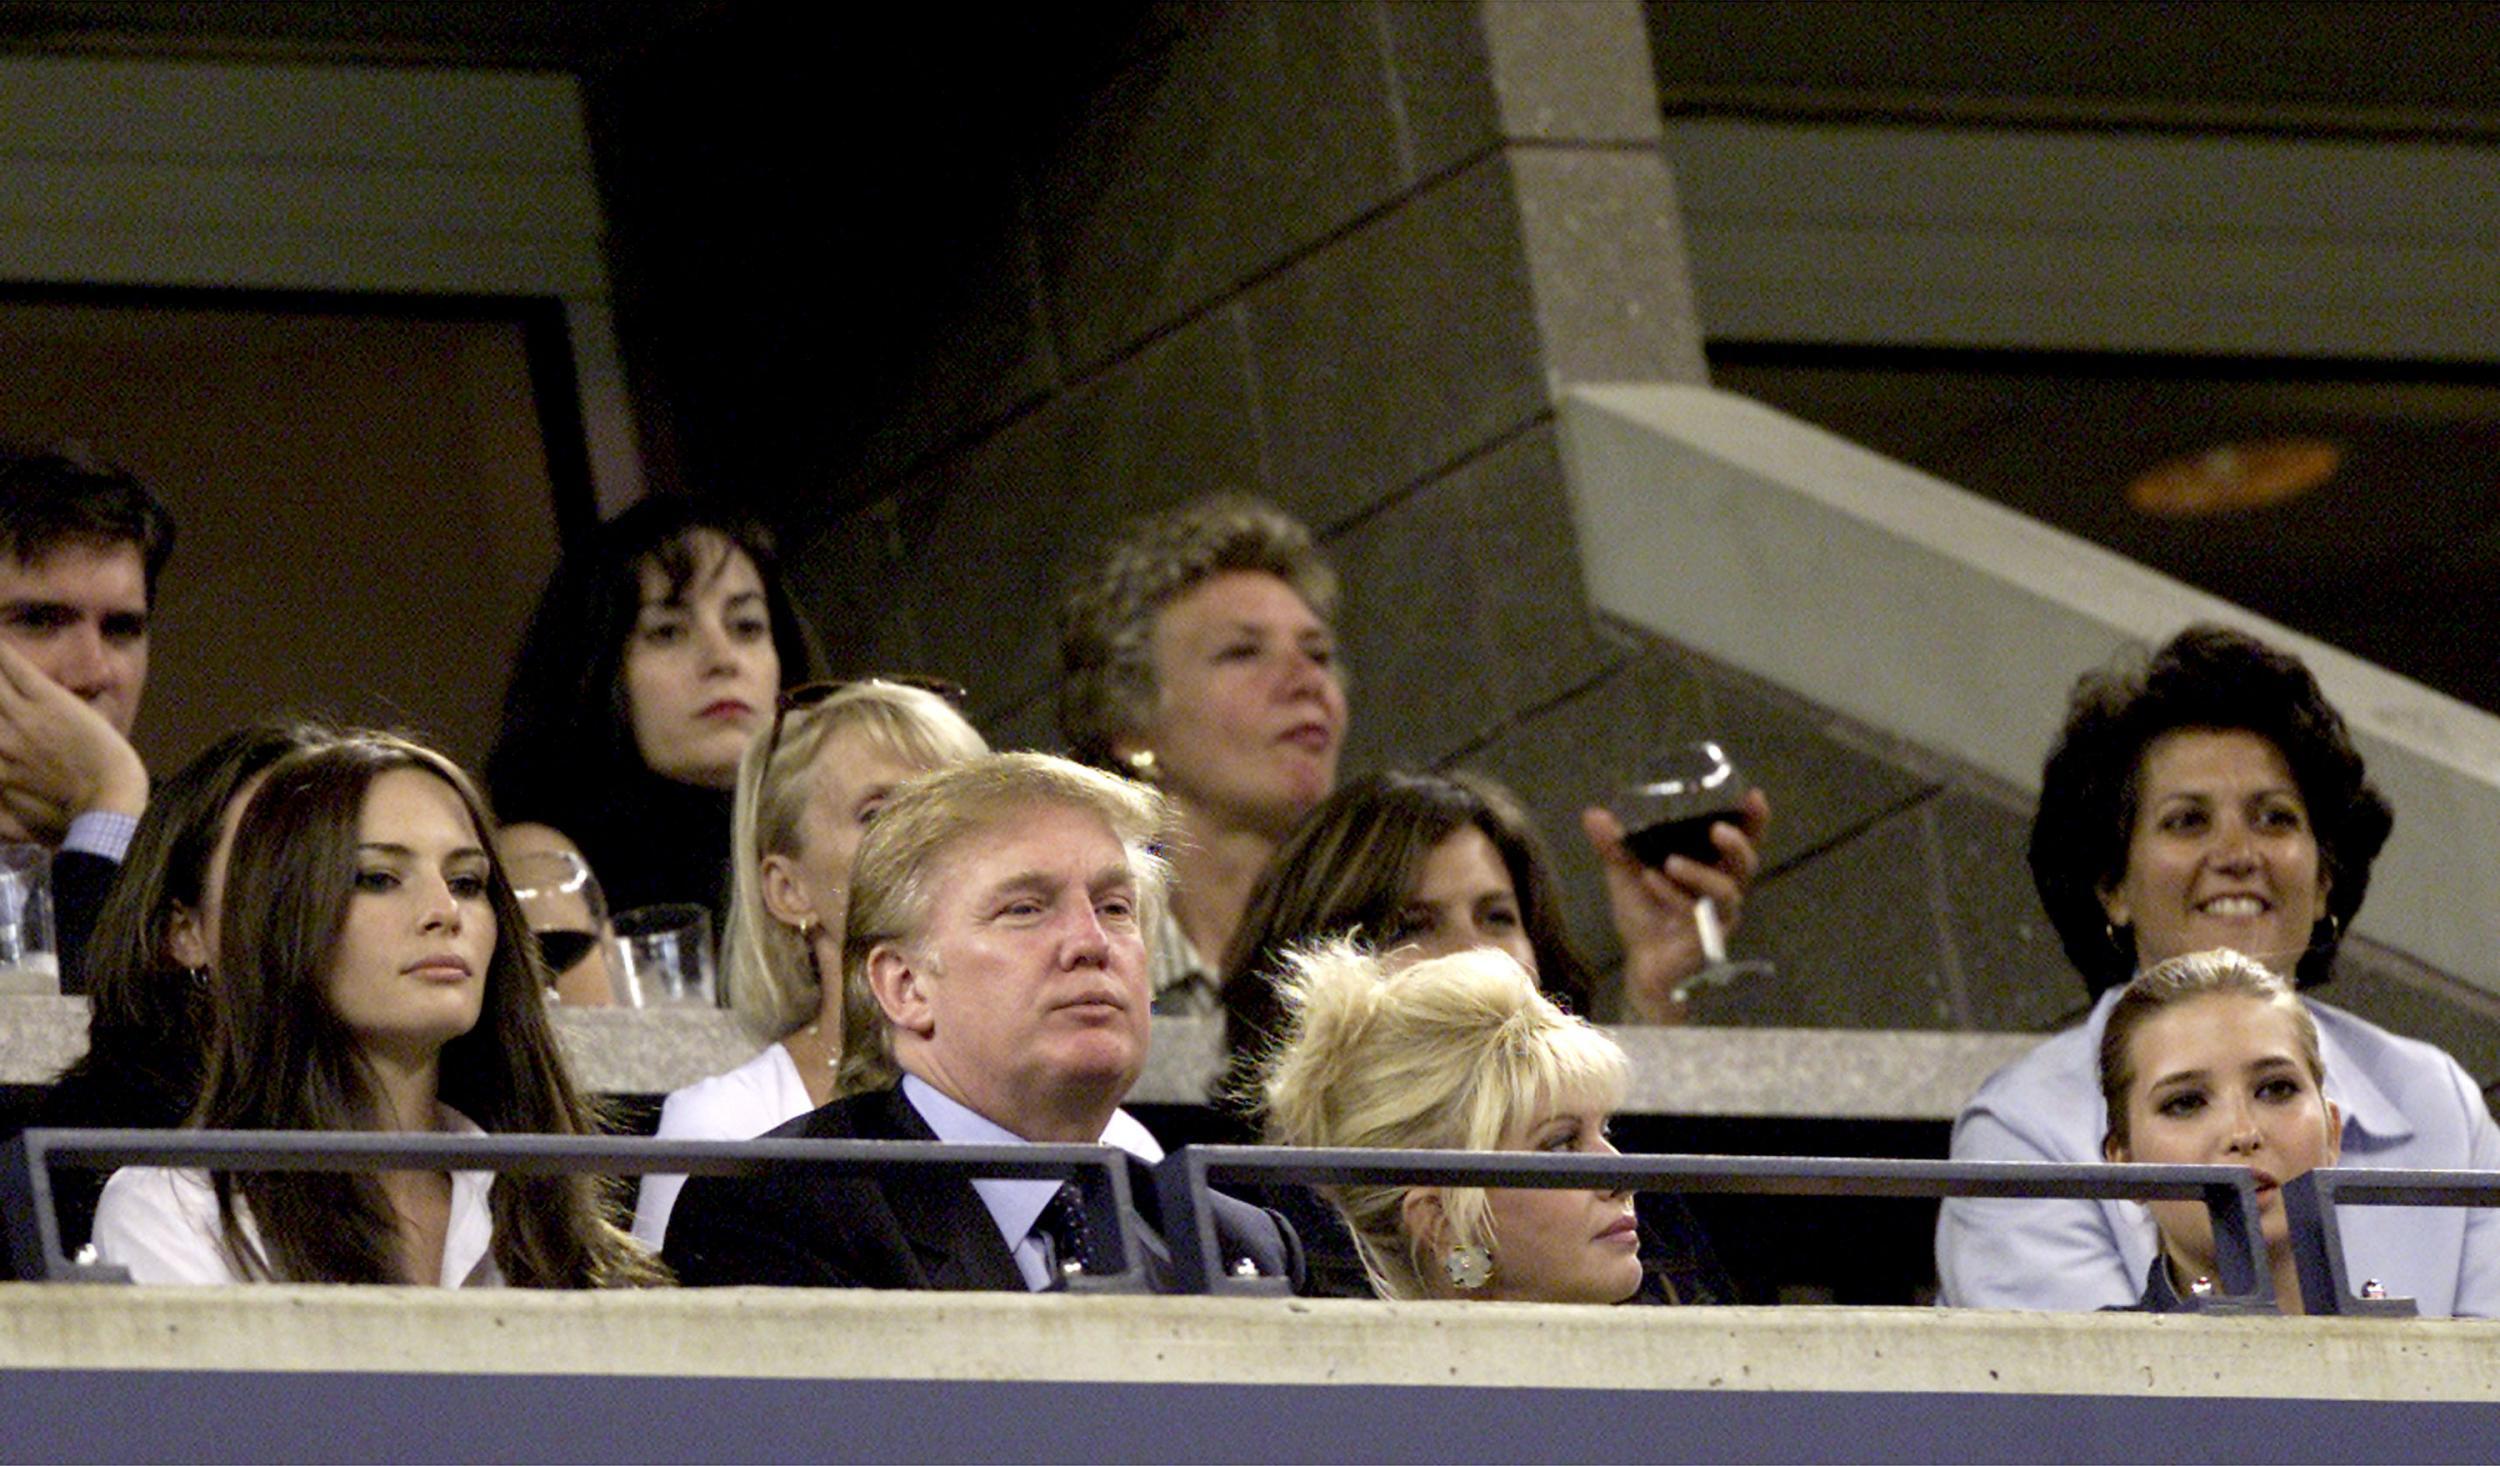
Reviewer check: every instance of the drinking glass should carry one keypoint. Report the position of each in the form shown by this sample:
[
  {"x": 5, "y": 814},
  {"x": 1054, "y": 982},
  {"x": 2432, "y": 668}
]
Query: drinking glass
[
  {"x": 29, "y": 961},
  {"x": 567, "y": 914},
  {"x": 664, "y": 957},
  {"x": 1669, "y": 810}
]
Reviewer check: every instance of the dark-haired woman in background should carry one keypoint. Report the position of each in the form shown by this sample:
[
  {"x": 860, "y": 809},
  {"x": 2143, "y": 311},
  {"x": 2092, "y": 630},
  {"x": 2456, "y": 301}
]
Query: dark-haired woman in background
[
  {"x": 1419, "y": 866},
  {"x": 654, "y": 656},
  {"x": 2209, "y": 797},
  {"x": 1432, "y": 864},
  {"x": 154, "y": 957},
  {"x": 376, "y": 976}
]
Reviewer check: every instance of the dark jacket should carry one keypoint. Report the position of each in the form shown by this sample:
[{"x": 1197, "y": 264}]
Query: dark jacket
[{"x": 815, "y": 1227}]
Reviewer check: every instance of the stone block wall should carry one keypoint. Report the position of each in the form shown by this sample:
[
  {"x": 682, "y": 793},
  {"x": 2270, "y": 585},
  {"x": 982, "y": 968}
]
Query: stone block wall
[{"x": 1343, "y": 255}]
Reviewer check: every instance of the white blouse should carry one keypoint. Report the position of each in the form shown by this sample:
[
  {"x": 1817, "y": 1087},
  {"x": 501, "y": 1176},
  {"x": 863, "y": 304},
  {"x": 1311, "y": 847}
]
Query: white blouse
[
  {"x": 162, "y": 1225},
  {"x": 762, "y": 1094}
]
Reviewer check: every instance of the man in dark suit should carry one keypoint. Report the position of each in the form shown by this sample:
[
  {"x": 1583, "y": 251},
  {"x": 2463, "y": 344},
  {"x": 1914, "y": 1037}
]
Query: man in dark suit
[
  {"x": 994, "y": 963},
  {"x": 81, "y": 544}
]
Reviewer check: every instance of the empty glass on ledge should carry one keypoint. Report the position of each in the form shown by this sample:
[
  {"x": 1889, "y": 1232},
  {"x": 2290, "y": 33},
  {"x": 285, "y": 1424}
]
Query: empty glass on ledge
[
  {"x": 29, "y": 960},
  {"x": 664, "y": 957}
]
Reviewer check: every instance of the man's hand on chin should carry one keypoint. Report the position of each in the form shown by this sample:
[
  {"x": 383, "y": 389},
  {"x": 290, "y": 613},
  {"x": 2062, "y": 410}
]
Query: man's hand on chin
[{"x": 59, "y": 758}]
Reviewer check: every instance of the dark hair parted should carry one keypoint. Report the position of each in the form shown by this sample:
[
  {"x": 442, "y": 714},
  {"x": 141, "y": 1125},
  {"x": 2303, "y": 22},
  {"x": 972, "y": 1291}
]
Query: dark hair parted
[
  {"x": 51, "y": 497},
  {"x": 1107, "y": 619},
  {"x": 566, "y": 747},
  {"x": 1348, "y": 870},
  {"x": 281, "y": 1058},
  {"x": 139, "y": 1001},
  {"x": 2206, "y": 677}
]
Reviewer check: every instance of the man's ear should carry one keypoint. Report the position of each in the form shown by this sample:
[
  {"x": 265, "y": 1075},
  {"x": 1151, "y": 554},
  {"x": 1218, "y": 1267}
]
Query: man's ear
[
  {"x": 186, "y": 938},
  {"x": 785, "y": 896},
  {"x": 901, "y": 989}
]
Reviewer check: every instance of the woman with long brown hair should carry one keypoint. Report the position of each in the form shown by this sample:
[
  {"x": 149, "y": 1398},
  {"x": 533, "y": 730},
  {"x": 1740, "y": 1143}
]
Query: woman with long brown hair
[{"x": 374, "y": 975}]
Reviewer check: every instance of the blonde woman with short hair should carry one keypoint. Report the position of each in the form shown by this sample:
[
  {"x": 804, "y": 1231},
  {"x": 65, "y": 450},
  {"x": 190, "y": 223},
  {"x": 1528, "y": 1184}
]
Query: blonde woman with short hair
[{"x": 1456, "y": 1053}]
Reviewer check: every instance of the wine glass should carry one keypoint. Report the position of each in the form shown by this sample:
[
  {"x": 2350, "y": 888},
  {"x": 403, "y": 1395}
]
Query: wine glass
[
  {"x": 1669, "y": 810},
  {"x": 568, "y": 916}
]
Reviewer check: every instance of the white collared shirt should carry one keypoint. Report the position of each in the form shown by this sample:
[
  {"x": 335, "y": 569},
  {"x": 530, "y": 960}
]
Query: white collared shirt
[{"x": 162, "y": 1225}]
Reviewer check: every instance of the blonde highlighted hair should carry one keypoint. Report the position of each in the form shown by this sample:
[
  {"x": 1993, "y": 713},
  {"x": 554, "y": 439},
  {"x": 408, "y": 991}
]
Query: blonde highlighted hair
[
  {"x": 891, "y": 880},
  {"x": 768, "y": 965},
  {"x": 2165, "y": 985},
  {"x": 1457, "y": 1053}
]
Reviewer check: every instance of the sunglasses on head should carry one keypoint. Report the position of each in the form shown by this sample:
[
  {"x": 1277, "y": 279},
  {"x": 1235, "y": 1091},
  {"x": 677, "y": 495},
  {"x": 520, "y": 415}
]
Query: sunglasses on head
[{"x": 814, "y": 694}]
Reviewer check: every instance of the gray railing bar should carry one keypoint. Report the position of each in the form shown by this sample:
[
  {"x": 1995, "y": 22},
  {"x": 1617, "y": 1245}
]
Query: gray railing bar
[
  {"x": 33, "y": 1225},
  {"x": 2247, "y": 1284},
  {"x": 2310, "y": 1203}
]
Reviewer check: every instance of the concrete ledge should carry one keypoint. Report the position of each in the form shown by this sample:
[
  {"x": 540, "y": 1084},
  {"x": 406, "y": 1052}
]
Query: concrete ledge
[
  {"x": 776, "y": 1334},
  {"x": 1762, "y": 1072},
  {"x": 1958, "y": 625}
]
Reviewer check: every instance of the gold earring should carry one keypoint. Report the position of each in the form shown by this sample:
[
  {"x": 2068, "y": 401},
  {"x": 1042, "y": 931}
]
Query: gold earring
[{"x": 1141, "y": 765}]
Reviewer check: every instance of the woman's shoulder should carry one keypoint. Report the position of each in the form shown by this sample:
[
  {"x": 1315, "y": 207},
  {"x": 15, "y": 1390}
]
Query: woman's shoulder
[
  {"x": 162, "y": 1224},
  {"x": 740, "y": 1104}
]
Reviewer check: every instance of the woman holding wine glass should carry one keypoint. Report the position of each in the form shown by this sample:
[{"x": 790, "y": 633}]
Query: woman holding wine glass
[{"x": 1417, "y": 865}]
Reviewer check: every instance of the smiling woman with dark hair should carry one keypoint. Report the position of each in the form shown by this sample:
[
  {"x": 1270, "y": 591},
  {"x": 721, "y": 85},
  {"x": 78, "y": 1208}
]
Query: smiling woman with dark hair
[{"x": 2207, "y": 796}]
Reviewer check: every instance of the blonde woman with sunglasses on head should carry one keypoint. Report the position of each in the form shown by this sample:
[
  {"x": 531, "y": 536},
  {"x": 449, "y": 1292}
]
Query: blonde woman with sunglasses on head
[{"x": 806, "y": 793}]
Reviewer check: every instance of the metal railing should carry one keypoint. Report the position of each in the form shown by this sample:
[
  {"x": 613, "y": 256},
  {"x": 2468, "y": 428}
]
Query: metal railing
[
  {"x": 30, "y": 1226},
  {"x": 33, "y": 1232},
  {"x": 2246, "y": 1283},
  {"x": 2310, "y": 1203}
]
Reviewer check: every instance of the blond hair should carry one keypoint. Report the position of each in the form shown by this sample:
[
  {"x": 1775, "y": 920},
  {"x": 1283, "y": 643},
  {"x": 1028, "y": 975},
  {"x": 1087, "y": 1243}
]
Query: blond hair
[
  {"x": 769, "y": 966},
  {"x": 1455, "y": 1053},
  {"x": 2165, "y": 985},
  {"x": 931, "y": 816},
  {"x": 1107, "y": 619}
]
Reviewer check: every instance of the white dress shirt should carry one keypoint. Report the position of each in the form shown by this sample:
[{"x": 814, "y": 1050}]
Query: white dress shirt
[
  {"x": 162, "y": 1225},
  {"x": 763, "y": 1093},
  {"x": 1014, "y": 1205}
]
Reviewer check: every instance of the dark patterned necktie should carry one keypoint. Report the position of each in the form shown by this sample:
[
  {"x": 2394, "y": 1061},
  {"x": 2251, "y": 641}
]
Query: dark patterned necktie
[{"x": 1062, "y": 1226}]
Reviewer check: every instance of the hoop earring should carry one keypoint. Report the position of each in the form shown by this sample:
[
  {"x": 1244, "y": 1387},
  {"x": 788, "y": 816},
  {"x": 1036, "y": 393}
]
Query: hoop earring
[{"x": 1469, "y": 1266}]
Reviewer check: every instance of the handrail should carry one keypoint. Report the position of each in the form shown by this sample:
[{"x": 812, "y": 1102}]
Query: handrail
[
  {"x": 33, "y": 1234},
  {"x": 2310, "y": 1201},
  {"x": 2247, "y": 1285}
]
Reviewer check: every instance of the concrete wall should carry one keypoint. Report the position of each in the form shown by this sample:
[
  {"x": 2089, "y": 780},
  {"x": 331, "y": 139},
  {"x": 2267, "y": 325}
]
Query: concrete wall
[{"x": 1347, "y": 256}]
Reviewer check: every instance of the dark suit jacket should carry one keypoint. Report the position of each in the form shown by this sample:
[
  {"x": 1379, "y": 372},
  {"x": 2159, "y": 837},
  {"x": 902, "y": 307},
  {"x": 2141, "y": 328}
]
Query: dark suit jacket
[
  {"x": 80, "y": 882},
  {"x": 815, "y": 1227}
]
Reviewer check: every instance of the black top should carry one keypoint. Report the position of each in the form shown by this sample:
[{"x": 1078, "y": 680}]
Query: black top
[
  {"x": 654, "y": 841},
  {"x": 127, "y": 1080},
  {"x": 81, "y": 880}
]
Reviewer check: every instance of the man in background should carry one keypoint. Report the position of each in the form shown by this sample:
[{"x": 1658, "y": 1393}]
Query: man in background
[{"x": 81, "y": 544}]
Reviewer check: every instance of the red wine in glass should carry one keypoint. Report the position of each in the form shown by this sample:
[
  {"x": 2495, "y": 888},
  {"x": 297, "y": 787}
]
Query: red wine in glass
[
  {"x": 1669, "y": 810},
  {"x": 564, "y": 948}
]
